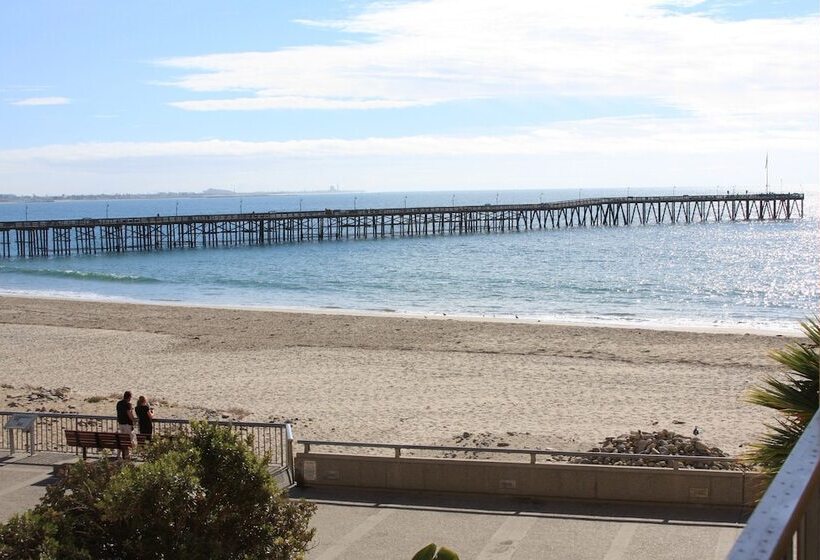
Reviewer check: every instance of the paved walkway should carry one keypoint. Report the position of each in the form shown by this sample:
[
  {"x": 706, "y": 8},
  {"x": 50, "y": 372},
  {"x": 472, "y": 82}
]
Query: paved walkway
[
  {"x": 395, "y": 525},
  {"x": 23, "y": 480}
]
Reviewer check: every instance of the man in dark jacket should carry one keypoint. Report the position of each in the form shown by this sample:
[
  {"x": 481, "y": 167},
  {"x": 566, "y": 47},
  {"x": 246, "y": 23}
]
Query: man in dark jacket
[{"x": 125, "y": 420}]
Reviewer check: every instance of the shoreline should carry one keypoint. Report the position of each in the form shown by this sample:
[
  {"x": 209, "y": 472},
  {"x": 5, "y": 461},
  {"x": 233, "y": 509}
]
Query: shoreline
[
  {"x": 736, "y": 329},
  {"x": 387, "y": 378}
]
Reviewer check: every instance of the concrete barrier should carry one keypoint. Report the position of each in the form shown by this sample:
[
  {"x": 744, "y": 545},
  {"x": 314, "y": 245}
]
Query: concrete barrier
[{"x": 546, "y": 480}]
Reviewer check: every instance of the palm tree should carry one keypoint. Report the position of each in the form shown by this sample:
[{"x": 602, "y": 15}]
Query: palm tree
[{"x": 793, "y": 397}]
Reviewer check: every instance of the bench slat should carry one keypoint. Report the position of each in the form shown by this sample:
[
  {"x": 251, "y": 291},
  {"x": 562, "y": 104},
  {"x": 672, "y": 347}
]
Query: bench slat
[
  {"x": 87, "y": 439},
  {"x": 113, "y": 440},
  {"x": 72, "y": 438},
  {"x": 97, "y": 440}
]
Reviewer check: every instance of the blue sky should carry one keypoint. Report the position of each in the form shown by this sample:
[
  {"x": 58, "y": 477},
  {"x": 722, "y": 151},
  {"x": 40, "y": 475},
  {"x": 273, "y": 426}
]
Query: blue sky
[{"x": 153, "y": 96}]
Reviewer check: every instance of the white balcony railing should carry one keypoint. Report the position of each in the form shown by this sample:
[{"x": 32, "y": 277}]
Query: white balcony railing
[{"x": 785, "y": 525}]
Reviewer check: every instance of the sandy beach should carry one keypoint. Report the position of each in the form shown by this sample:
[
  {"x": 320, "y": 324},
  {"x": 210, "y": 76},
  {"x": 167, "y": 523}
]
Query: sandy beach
[{"x": 389, "y": 379}]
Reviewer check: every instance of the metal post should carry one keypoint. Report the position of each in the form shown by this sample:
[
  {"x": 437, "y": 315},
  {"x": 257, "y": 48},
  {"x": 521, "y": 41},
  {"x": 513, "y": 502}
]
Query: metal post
[{"x": 289, "y": 448}]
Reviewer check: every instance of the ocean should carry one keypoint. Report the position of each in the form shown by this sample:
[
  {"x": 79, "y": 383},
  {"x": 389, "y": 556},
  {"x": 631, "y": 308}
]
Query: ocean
[{"x": 741, "y": 276}]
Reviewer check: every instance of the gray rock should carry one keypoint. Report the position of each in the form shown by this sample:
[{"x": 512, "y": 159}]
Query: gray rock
[{"x": 700, "y": 447}]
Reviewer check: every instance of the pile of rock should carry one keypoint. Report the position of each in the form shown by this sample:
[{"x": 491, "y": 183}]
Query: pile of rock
[
  {"x": 640, "y": 449},
  {"x": 38, "y": 398}
]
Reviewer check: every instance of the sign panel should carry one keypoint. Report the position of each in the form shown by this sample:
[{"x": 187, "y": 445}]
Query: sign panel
[{"x": 21, "y": 422}]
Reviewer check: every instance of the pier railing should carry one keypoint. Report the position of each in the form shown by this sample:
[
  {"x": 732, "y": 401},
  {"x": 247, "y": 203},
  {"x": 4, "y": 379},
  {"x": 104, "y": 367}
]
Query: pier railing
[
  {"x": 47, "y": 433},
  {"x": 151, "y": 233},
  {"x": 785, "y": 525}
]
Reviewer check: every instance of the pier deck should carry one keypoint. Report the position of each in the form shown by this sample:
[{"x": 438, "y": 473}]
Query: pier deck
[{"x": 152, "y": 233}]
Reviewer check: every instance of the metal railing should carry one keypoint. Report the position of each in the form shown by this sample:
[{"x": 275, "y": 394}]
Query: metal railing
[
  {"x": 786, "y": 523},
  {"x": 674, "y": 461},
  {"x": 550, "y": 205},
  {"x": 47, "y": 434}
]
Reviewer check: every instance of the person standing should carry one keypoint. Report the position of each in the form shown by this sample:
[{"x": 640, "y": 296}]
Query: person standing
[
  {"x": 145, "y": 417},
  {"x": 125, "y": 421}
]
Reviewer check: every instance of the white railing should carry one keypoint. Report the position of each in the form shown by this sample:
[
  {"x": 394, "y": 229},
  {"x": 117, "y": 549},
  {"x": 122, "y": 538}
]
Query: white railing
[
  {"x": 47, "y": 433},
  {"x": 673, "y": 461},
  {"x": 785, "y": 525}
]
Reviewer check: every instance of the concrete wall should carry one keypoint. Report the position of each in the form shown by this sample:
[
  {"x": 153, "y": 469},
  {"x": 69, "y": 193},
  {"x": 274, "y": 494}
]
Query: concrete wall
[{"x": 548, "y": 480}]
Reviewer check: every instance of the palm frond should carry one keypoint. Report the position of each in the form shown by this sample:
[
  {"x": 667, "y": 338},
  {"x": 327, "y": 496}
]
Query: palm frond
[
  {"x": 789, "y": 396},
  {"x": 772, "y": 449},
  {"x": 812, "y": 329},
  {"x": 794, "y": 396}
]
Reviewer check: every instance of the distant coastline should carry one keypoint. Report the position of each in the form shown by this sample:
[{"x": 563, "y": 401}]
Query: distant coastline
[{"x": 207, "y": 193}]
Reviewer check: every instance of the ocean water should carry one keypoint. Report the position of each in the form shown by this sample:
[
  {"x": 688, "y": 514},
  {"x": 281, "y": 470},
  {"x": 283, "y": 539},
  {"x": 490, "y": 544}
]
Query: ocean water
[{"x": 756, "y": 275}]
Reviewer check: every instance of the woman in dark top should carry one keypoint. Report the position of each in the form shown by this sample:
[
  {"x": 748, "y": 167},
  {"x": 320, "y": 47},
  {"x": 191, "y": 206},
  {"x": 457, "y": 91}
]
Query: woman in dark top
[{"x": 145, "y": 415}]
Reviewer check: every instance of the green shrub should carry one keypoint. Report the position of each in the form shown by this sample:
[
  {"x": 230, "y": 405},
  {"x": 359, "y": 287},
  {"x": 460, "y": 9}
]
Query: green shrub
[
  {"x": 433, "y": 552},
  {"x": 203, "y": 495}
]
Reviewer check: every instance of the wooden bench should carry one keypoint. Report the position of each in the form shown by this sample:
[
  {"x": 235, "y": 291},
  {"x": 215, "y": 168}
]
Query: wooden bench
[{"x": 98, "y": 440}]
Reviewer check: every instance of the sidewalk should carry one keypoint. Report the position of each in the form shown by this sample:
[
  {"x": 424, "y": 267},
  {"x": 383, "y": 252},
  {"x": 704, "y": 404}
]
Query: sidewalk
[
  {"x": 395, "y": 525},
  {"x": 23, "y": 480}
]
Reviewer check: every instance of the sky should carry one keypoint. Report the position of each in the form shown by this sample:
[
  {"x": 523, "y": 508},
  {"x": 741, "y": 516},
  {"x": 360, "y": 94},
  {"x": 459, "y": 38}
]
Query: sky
[{"x": 252, "y": 95}]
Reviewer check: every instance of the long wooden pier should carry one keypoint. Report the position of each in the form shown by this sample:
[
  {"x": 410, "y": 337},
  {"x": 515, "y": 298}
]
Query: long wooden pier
[{"x": 104, "y": 235}]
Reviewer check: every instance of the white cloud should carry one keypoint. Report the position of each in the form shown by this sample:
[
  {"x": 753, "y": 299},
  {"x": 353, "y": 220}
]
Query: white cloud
[
  {"x": 37, "y": 101},
  {"x": 737, "y": 89},
  {"x": 639, "y": 151},
  {"x": 423, "y": 53},
  {"x": 264, "y": 102},
  {"x": 593, "y": 137}
]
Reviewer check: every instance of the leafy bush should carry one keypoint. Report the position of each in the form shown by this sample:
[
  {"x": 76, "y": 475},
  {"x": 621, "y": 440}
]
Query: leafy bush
[{"x": 203, "y": 495}]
